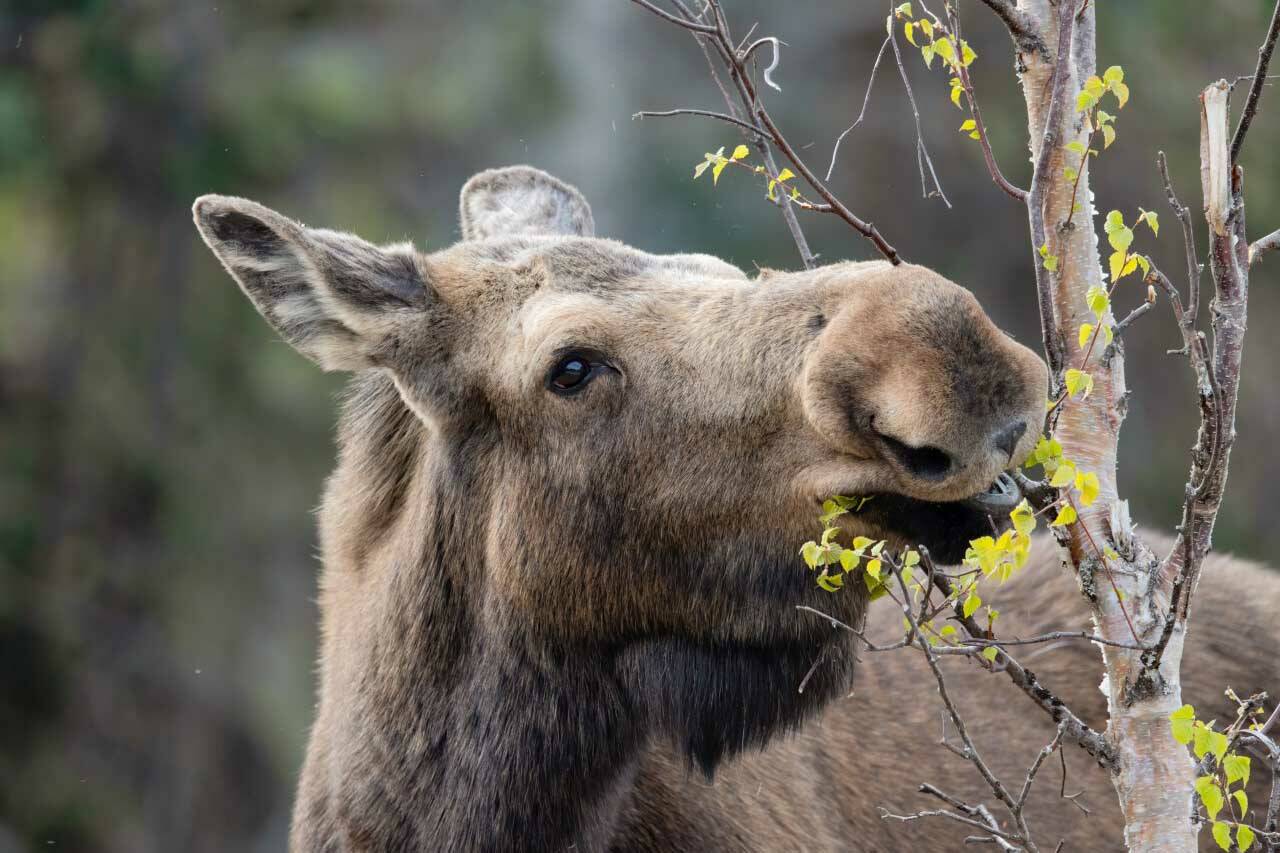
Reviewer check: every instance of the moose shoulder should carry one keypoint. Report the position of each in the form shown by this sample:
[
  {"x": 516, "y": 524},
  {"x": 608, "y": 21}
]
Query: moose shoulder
[{"x": 560, "y": 573}]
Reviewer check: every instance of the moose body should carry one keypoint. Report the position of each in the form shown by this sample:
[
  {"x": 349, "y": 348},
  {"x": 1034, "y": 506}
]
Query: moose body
[{"x": 560, "y": 588}]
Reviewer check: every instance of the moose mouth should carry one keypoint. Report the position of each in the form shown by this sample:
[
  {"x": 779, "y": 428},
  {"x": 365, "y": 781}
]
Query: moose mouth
[{"x": 946, "y": 527}]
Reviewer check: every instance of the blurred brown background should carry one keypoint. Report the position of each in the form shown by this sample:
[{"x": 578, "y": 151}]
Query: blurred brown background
[{"x": 160, "y": 450}]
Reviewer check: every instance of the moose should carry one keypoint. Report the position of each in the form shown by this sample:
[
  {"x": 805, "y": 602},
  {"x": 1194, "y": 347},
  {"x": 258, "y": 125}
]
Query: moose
[{"x": 560, "y": 594}]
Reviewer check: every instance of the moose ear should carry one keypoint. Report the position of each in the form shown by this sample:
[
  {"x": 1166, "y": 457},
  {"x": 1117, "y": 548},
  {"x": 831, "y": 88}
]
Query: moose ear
[
  {"x": 522, "y": 200},
  {"x": 333, "y": 296}
]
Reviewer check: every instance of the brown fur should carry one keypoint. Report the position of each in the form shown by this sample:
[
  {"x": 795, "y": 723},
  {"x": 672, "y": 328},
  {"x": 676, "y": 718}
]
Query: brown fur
[{"x": 555, "y": 622}]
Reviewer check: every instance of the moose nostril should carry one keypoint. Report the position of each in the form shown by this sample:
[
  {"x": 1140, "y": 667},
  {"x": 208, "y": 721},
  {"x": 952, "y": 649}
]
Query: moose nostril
[
  {"x": 927, "y": 463},
  {"x": 1007, "y": 438}
]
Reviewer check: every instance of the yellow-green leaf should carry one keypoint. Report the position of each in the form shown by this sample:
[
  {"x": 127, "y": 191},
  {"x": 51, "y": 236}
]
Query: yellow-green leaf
[
  {"x": 927, "y": 26},
  {"x": 1066, "y": 516},
  {"x": 873, "y": 568},
  {"x": 700, "y": 168},
  {"x": 1078, "y": 381},
  {"x": 1064, "y": 476},
  {"x": 945, "y": 49},
  {"x": 1023, "y": 517},
  {"x": 1237, "y": 768},
  {"x": 1113, "y": 75},
  {"x": 989, "y": 653},
  {"x": 1210, "y": 795},
  {"x": 1120, "y": 239},
  {"x": 1242, "y": 800},
  {"x": 1108, "y": 135},
  {"x": 1222, "y": 834},
  {"x": 1182, "y": 720},
  {"x": 1088, "y": 486},
  {"x": 971, "y": 603},
  {"x": 956, "y": 90},
  {"x": 831, "y": 583},
  {"x": 717, "y": 169},
  {"x": 1085, "y": 101},
  {"x": 1086, "y": 332},
  {"x": 1121, "y": 92},
  {"x": 904, "y": 9},
  {"x": 1116, "y": 264},
  {"x": 1244, "y": 837},
  {"x": 1098, "y": 300},
  {"x": 910, "y": 30}
]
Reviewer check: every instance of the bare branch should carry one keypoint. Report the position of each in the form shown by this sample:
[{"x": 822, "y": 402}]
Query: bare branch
[
  {"x": 922, "y": 153},
  {"x": 866, "y": 99},
  {"x": 1075, "y": 730},
  {"x": 979, "y": 127},
  {"x": 1263, "y": 245},
  {"x": 687, "y": 24},
  {"x": 643, "y": 114},
  {"x": 1188, "y": 239},
  {"x": 1021, "y": 28},
  {"x": 1259, "y": 80}
]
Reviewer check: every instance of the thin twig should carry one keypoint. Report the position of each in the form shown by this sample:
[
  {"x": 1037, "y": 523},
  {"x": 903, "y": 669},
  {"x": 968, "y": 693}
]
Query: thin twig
[
  {"x": 1262, "y": 245},
  {"x": 1021, "y": 28},
  {"x": 866, "y": 99},
  {"x": 643, "y": 114},
  {"x": 1076, "y": 730},
  {"x": 992, "y": 167},
  {"x": 687, "y": 24},
  {"x": 1259, "y": 80},
  {"x": 1188, "y": 240},
  {"x": 922, "y": 153}
]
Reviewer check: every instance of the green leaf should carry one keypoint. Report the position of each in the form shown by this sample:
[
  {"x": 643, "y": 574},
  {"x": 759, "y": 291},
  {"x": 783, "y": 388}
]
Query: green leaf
[
  {"x": 1023, "y": 517},
  {"x": 1222, "y": 834},
  {"x": 1237, "y": 768},
  {"x": 1182, "y": 719},
  {"x": 1078, "y": 381},
  {"x": 1121, "y": 92},
  {"x": 1218, "y": 743},
  {"x": 1065, "y": 475},
  {"x": 740, "y": 152},
  {"x": 990, "y": 653},
  {"x": 1210, "y": 795},
  {"x": 1244, "y": 837},
  {"x": 1120, "y": 239},
  {"x": 1116, "y": 265},
  {"x": 1088, "y": 486},
  {"x": 1114, "y": 222},
  {"x": 1066, "y": 516}
]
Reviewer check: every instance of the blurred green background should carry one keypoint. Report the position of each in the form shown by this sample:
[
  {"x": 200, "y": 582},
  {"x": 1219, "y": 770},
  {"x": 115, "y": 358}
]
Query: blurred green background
[{"x": 160, "y": 450}]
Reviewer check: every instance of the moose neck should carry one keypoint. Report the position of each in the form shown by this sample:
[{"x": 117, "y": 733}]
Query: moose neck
[
  {"x": 446, "y": 730},
  {"x": 450, "y": 726}
]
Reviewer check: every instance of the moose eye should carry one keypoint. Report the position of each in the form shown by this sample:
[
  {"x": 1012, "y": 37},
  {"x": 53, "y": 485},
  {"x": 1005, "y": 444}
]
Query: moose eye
[{"x": 573, "y": 372}]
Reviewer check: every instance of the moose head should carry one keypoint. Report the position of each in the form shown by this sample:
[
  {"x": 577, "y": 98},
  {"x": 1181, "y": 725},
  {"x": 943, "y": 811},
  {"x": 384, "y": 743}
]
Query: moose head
[{"x": 574, "y": 472}]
